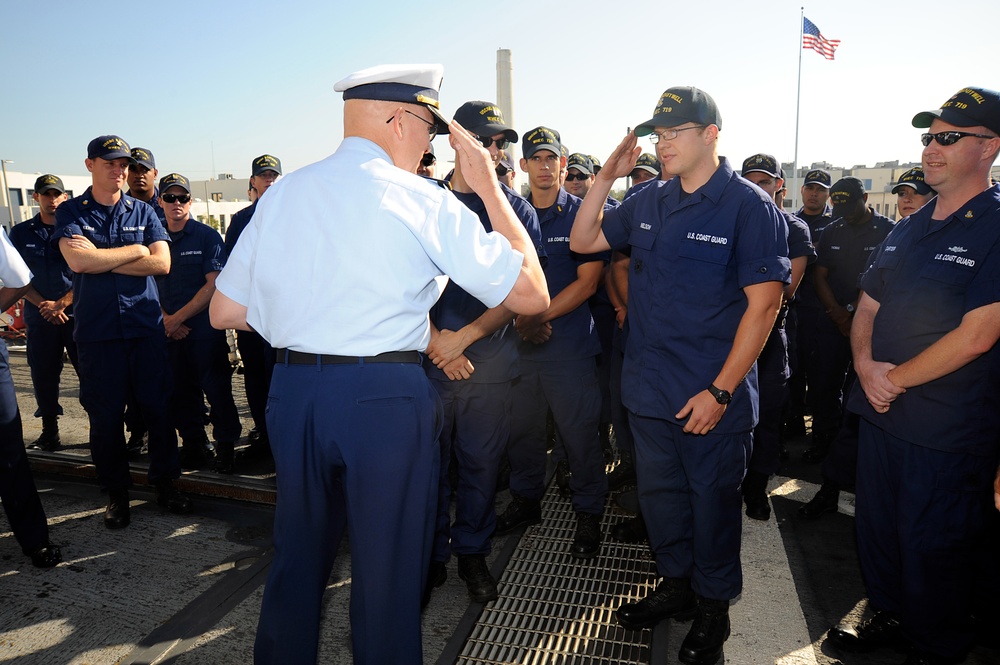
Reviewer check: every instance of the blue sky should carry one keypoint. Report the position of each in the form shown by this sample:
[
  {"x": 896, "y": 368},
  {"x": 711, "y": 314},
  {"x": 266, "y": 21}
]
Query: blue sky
[{"x": 208, "y": 86}]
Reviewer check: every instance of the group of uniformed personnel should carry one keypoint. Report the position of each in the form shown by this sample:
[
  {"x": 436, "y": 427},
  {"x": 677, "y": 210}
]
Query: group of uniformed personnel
[{"x": 379, "y": 384}]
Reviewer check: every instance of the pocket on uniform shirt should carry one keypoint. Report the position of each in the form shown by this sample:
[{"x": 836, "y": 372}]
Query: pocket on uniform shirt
[
  {"x": 704, "y": 265},
  {"x": 948, "y": 273}
]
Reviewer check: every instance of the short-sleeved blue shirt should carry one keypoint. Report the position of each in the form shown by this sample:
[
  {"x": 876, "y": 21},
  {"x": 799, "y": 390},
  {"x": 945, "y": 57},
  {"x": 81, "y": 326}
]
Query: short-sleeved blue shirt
[
  {"x": 52, "y": 277},
  {"x": 108, "y": 305},
  {"x": 926, "y": 277},
  {"x": 573, "y": 334},
  {"x": 195, "y": 251},
  {"x": 845, "y": 249},
  {"x": 692, "y": 256},
  {"x": 494, "y": 357}
]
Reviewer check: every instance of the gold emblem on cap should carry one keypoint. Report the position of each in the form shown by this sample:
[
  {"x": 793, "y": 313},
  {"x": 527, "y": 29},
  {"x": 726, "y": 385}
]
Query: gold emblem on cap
[{"x": 424, "y": 99}]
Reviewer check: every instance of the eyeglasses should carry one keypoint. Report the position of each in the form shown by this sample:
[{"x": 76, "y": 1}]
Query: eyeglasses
[
  {"x": 579, "y": 176},
  {"x": 670, "y": 134},
  {"x": 177, "y": 198},
  {"x": 428, "y": 160},
  {"x": 950, "y": 138},
  {"x": 488, "y": 141},
  {"x": 432, "y": 128}
]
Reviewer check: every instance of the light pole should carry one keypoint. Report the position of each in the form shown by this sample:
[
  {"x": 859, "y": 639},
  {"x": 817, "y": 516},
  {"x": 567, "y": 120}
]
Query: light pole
[{"x": 6, "y": 191}]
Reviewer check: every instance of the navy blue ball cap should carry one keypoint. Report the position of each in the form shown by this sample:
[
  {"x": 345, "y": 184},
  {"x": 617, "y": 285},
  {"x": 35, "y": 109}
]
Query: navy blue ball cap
[
  {"x": 143, "y": 156},
  {"x": 410, "y": 84},
  {"x": 48, "y": 181},
  {"x": 845, "y": 194},
  {"x": 109, "y": 147},
  {"x": 818, "y": 177},
  {"x": 761, "y": 163},
  {"x": 648, "y": 162},
  {"x": 175, "y": 180},
  {"x": 913, "y": 178},
  {"x": 678, "y": 106},
  {"x": 542, "y": 138},
  {"x": 969, "y": 107},
  {"x": 484, "y": 119},
  {"x": 581, "y": 163},
  {"x": 265, "y": 163}
]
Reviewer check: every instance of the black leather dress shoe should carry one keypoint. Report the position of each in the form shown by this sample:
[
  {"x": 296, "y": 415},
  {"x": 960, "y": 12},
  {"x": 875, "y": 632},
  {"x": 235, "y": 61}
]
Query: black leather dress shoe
[
  {"x": 117, "y": 514},
  {"x": 587, "y": 540},
  {"x": 755, "y": 496},
  {"x": 632, "y": 530},
  {"x": 170, "y": 498},
  {"x": 672, "y": 598},
  {"x": 882, "y": 631},
  {"x": 476, "y": 574},
  {"x": 825, "y": 501},
  {"x": 708, "y": 634},
  {"x": 519, "y": 512},
  {"x": 46, "y": 556}
]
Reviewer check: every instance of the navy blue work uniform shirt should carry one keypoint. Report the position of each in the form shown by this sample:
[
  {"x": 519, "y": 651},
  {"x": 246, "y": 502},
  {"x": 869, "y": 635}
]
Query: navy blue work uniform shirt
[
  {"x": 573, "y": 334},
  {"x": 692, "y": 256},
  {"x": 494, "y": 357},
  {"x": 51, "y": 275},
  {"x": 109, "y": 305},
  {"x": 845, "y": 249},
  {"x": 926, "y": 277},
  {"x": 237, "y": 223},
  {"x": 195, "y": 251}
]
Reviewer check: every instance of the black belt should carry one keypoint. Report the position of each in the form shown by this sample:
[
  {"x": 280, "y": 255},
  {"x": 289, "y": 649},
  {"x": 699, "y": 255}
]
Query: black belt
[{"x": 299, "y": 358}]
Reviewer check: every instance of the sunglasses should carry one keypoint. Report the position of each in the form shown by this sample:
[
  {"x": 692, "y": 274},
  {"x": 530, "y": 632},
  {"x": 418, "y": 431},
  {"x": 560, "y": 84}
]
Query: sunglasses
[
  {"x": 503, "y": 170},
  {"x": 950, "y": 138},
  {"x": 487, "y": 141},
  {"x": 428, "y": 160},
  {"x": 177, "y": 198},
  {"x": 570, "y": 177}
]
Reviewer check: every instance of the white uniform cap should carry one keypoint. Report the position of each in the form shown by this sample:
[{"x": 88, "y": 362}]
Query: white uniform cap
[{"x": 411, "y": 84}]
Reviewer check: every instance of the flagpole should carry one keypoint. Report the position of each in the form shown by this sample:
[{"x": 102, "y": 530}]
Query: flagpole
[{"x": 798, "y": 98}]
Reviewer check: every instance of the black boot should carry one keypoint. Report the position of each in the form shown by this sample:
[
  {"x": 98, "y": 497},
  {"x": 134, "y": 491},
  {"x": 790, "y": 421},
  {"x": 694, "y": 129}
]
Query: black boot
[
  {"x": 519, "y": 512},
  {"x": 825, "y": 501},
  {"x": 171, "y": 499},
  {"x": 709, "y": 632},
  {"x": 473, "y": 569},
  {"x": 623, "y": 474},
  {"x": 672, "y": 597},
  {"x": 225, "y": 457},
  {"x": 437, "y": 574},
  {"x": 118, "y": 513},
  {"x": 587, "y": 540},
  {"x": 49, "y": 440},
  {"x": 755, "y": 496},
  {"x": 632, "y": 530}
]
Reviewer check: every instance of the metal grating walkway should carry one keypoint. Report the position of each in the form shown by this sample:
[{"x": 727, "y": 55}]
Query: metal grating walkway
[{"x": 556, "y": 610}]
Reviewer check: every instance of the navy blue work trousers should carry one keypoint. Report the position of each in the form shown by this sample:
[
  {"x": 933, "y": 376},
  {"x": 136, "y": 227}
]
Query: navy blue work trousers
[
  {"x": 922, "y": 516},
  {"x": 689, "y": 493},
  {"x": 356, "y": 447},
  {"x": 109, "y": 371},
  {"x": 258, "y": 365},
  {"x": 569, "y": 388},
  {"x": 476, "y": 428},
  {"x": 17, "y": 487},
  {"x": 202, "y": 366},
  {"x": 46, "y": 343}
]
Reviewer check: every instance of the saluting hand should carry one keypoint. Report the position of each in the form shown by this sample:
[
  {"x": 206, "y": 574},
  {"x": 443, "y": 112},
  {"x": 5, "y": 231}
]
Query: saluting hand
[
  {"x": 476, "y": 163},
  {"x": 622, "y": 160}
]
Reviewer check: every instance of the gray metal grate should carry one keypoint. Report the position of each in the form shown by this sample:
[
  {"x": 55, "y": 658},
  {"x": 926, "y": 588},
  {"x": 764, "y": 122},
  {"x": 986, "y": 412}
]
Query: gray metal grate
[{"x": 556, "y": 610}]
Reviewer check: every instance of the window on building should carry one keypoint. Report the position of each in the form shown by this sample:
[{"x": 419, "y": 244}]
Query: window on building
[
  {"x": 217, "y": 196},
  {"x": 16, "y": 198}
]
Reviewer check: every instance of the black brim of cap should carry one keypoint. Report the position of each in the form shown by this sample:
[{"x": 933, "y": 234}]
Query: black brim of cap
[
  {"x": 924, "y": 120},
  {"x": 921, "y": 188},
  {"x": 646, "y": 128},
  {"x": 442, "y": 122}
]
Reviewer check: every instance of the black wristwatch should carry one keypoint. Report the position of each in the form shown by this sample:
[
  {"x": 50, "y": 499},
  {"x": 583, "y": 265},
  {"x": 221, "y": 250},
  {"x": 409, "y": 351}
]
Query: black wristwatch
[{"x": 721, "y": 396}]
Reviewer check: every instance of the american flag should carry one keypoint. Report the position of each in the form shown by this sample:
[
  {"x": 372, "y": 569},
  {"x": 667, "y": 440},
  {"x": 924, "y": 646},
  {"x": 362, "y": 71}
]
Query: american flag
[{"x": 814, "y": 39}]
